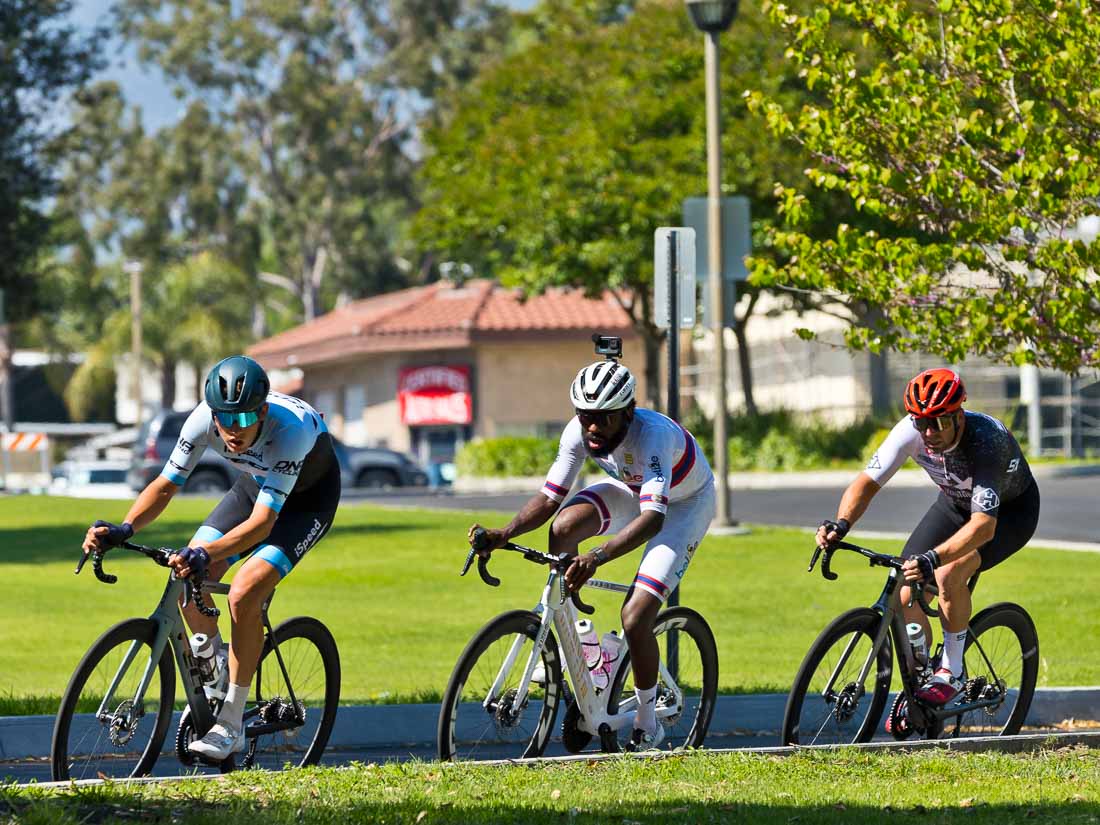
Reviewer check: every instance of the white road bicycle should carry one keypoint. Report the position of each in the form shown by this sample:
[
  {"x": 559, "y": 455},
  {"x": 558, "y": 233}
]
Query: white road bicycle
[{"x": 495, "y": 707}]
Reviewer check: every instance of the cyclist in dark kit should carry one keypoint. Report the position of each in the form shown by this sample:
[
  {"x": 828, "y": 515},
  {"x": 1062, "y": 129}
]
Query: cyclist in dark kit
[{"x": 987, "y": 508}]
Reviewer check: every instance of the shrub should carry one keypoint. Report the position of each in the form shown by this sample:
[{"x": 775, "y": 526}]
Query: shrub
[{"x": 509, "y": 456}]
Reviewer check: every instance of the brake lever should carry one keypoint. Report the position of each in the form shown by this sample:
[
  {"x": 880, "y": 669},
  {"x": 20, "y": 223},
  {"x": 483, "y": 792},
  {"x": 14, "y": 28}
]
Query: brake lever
[
  {"x": 81, "y": 562},
  {"x": 469, "y": 561},
  {"x": 813, "y": 559}
]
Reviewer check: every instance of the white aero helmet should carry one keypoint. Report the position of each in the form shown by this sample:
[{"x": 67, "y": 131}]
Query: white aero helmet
[{"x": 605, "y": 385}]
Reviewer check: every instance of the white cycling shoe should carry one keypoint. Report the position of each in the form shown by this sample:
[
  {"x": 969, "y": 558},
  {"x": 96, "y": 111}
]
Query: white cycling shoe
[
  {"x": 642, "y": 741},
  {"x": 219, "y": 742}
]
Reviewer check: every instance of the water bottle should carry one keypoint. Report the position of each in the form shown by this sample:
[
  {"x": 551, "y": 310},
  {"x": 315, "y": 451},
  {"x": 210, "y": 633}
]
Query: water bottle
[
  {"x": 611, "y": 646},
  {"x": 593, "y": 654},
  {"x": 202, "y": 648},
  {"x": 918, "y": 643}
]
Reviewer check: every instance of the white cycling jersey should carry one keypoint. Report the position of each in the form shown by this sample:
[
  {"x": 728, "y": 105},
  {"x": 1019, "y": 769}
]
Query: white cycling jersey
[
  {"x": 658, "y": 460},
  {"x": 275, "y": 460}
]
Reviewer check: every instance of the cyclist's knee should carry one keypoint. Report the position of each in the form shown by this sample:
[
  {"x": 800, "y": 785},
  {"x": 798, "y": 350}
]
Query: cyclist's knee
[
  {"x": 570, "y": 527},
  {"x": 955, "y": 574},
  {"x": 639, "y": 613}
]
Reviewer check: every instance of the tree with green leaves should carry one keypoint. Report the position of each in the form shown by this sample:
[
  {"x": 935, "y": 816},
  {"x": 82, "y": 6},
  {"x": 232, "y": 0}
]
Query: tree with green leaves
[
  {"x": 971, "y": 130},
  {"x": 562, "y": 158}
]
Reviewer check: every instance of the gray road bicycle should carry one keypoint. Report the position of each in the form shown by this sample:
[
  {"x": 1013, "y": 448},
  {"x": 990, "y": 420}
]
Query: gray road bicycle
[
  {"x": 120, "y": 702},
  {"x": 843, "y": 685}
]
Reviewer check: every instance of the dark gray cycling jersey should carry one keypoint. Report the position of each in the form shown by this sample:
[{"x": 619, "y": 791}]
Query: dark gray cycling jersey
[{"x": 985, "y": 469}]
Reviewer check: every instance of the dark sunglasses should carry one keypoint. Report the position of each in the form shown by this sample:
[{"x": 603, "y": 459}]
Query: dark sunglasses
[
  {"x": 924, "y": 423},
  {"x": 600, "y": 419},
  {"x": 228, "y": 419}
]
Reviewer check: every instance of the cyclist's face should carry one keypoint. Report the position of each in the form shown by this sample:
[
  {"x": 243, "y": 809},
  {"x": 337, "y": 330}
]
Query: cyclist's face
[
  {"x": 600, "y": 427},
  {"x": 938, "y": 433},
  {"x": 237, "y": 438}
]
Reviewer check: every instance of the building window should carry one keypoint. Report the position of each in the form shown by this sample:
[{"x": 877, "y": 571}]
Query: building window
[{"x": 355, "y": 403}]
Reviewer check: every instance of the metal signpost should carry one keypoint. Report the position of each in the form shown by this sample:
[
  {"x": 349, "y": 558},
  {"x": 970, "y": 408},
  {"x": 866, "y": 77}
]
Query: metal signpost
[{"x": 674, "y": 305}]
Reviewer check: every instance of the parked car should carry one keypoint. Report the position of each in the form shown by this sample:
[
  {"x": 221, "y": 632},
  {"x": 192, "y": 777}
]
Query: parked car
[
  {"x": 90, "y": 479},
  {"x": 359, "y": 466}
]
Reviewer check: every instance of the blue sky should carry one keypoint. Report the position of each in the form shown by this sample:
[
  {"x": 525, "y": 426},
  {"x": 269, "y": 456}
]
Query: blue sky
[{"x": 145, "y": 86}]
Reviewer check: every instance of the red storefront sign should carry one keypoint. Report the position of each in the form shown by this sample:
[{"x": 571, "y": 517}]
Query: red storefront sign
[{"x": 435, "y": 395}]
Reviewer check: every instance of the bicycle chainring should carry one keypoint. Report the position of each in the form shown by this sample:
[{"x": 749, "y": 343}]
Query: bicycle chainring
[{"x": 898, "y": 724}]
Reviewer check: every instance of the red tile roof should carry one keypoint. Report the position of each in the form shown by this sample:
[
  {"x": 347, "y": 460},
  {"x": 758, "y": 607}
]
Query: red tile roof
[{"x": 438, "y": 316}]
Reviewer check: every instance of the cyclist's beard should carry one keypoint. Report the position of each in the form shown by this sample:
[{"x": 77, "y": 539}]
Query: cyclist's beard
[{"x": 613, "y": 441}]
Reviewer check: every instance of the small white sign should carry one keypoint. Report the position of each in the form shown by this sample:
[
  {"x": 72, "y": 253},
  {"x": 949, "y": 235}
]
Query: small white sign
[{"x": 674, "y": 274}]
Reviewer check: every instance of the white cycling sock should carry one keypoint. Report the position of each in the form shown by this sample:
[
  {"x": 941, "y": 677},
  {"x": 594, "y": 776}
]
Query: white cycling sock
[
  {"x": 953, "y": 644},
  {"x": 644, "y": 717},
  {"x": 232, "y": 712}
]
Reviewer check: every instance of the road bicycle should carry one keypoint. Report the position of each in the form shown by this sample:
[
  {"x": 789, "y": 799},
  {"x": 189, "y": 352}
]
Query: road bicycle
[
  {"x": 117, "y": 709},
  {"x": 495, "y": 706},
  {"x": 842, "y": 687}
]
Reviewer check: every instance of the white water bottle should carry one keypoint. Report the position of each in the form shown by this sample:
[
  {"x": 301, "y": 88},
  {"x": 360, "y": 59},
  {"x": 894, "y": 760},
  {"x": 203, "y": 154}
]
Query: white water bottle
[
  {"x": 611, "y": 647},
  {"x": 918, "y": 643},
  {"x": 593, "y": 654},
  {"x": 202, "y": 648}
]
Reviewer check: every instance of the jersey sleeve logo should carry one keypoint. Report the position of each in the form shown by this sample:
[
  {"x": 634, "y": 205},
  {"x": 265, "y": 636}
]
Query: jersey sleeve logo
[
  {"x": 986, "y": 498},
  {"x": 1013, "y": 465},
  {"x": 288, "y": 468},
  {"x": 185, "y": 446},
  {"x": 874, "y": 463}
]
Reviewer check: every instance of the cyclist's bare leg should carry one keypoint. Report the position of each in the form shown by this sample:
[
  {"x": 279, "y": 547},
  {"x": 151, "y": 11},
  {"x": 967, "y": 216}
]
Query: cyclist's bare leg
[
  {"x": 197, "y": 622},
  {"x": 954, "y": 600},
  {"x": 573, "y": 524},
  {"x": 639, "y": 613},
  {"x": 251, "y": 587}
]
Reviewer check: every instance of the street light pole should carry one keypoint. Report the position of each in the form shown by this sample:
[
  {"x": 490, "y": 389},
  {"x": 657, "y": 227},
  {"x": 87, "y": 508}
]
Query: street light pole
[
  {"x": 712, "y": 17},
  {"x": 134, "y": 269}
]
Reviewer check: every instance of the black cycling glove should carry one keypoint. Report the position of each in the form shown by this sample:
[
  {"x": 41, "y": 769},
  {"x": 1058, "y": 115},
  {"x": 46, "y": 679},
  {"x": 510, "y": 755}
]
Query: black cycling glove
[
  {"x": 927, "y": 562},
  {"x": 840, "y": 527},
  {"x": 116, "y": 533},
  {"x": 197, "y": 559}
]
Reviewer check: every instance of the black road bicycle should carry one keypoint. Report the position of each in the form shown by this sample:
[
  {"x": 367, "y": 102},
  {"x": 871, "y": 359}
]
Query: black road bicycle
[
  {"x": 843, "y": 685},
  {"x": 116, "y": 712}
]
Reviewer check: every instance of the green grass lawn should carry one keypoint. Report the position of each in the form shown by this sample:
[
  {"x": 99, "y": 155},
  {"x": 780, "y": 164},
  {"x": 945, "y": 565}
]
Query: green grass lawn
[
  {"x": 851, "y": 788},
  {"x": 386, "y": 582}
]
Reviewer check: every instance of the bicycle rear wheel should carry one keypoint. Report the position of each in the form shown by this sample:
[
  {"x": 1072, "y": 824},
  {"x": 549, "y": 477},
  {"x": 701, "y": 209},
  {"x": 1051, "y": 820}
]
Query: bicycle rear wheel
[
  {"x": 1002, "y": 662},
  {"x": 829, "y": 704},
  {"x": 312, "y": 677},
  {"x": 99, "y": 735},
  {"x": 696, "y": 678},
  {"x": 478, "y": 722}
]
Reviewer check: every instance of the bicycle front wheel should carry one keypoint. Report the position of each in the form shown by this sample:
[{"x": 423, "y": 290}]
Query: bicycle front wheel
[
  {"x": 689, "y": 688},
  {"x": 298, "y": 696},
  {"x": 480, "y": 717},
  {"x": 1002, "y": 662},
  {"x": 830, "y": 703},
  {"x": 103, "y": 728}
]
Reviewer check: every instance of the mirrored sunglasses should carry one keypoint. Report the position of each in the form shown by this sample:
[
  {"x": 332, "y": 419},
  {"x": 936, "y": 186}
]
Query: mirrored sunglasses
[
  {"x": 925, "y": 423},
  {"x": 245, "y": 419}
]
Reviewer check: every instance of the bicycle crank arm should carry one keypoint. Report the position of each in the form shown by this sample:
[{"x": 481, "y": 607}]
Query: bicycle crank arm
[{"x": 265, "y": 728}]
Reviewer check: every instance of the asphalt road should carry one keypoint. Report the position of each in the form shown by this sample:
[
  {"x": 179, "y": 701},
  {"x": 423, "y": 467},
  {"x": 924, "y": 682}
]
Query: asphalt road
[{"x": 1068, "y": 512}]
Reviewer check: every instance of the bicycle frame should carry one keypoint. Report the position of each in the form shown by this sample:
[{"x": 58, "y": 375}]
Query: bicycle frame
[{"x": 562, "y": 615}]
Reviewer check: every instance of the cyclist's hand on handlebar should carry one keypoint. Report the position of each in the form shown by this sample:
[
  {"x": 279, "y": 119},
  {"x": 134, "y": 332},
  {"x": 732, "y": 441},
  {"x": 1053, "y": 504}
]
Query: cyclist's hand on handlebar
[
  {"x": 581, "y": 570},
  {"x": 921, "y": 567},
  {"x": 190, "y": 561},
  {"x": 831, "y": 532},
  {"x": 493, "y": 539},
  {"x": 104, "y": 535}
]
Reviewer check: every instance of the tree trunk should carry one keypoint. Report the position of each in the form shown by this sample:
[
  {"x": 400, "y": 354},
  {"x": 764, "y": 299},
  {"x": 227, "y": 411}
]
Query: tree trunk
[
  {"x": 744, "y": 359},
  {"x": 168, "y": 385},
  {"x": 878, "y": 375},
  {"x": 7, "y": 398}
]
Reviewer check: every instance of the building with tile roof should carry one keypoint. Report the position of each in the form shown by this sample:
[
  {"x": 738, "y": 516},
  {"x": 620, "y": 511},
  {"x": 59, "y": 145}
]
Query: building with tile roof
[{"x": 427, "y": 368}]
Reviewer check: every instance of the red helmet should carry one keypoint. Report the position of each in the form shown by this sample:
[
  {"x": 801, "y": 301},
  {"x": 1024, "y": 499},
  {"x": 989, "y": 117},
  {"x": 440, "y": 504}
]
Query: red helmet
[{"x": 934, "y": 393}]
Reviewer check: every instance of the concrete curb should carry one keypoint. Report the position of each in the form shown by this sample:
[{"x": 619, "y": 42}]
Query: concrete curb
[
  {"x": 764, "y": 480},
  {"x": 369, "y": 726}
]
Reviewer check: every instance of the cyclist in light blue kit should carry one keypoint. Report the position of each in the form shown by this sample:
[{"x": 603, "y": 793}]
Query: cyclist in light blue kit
[{"x": 281, "y": 505}]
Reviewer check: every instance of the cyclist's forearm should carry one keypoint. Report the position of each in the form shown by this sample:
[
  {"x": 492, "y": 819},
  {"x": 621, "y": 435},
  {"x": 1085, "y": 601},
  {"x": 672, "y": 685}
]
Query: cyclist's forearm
[
  {"x": 856, "y": 498},
  {"x": 150, "y": 502},
  {"x": 531, "y": 516},
  {"x": 248, "y": 533},
  {"x": 635, "y": 534}
]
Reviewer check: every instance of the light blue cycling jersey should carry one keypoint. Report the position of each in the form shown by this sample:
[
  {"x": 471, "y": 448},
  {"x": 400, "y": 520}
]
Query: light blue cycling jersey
[{"x": 275, "y": 460}]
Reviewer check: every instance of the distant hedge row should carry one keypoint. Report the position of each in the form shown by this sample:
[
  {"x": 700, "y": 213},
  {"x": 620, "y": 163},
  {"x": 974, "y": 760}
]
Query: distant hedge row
[{"x": 770, "y": 441}]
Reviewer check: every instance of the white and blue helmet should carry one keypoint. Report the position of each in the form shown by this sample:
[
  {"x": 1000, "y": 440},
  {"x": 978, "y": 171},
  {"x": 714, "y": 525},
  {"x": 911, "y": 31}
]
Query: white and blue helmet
[{"x": 605, "y": 385}]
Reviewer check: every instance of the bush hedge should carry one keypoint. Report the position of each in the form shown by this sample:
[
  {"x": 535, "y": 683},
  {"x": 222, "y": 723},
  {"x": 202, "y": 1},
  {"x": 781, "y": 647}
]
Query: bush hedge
[{"x": 777, "y": 440}]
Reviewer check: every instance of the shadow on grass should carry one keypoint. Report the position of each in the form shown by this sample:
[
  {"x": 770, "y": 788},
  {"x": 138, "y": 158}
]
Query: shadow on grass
[
  {"x": 114, "y": 804},
  {"x": 61, "y": 542}
]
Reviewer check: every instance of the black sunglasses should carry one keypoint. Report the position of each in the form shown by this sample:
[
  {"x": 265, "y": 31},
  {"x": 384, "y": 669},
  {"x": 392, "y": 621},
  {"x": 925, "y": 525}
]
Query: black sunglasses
[
  {"x": 600, "y": 418},
  {"x": 939, "y": 423}
]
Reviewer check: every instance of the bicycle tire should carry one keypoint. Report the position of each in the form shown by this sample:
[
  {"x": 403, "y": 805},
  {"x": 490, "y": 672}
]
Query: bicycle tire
[
  {"x": 690, "y": 726},
  {"x": 72, "y": 734},
  {"x": 1014, "y": 656},
  {"x": 488, "y": 731},
  {"x": 313, "y": 669},
  {"x": 864, "y": 622}
]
